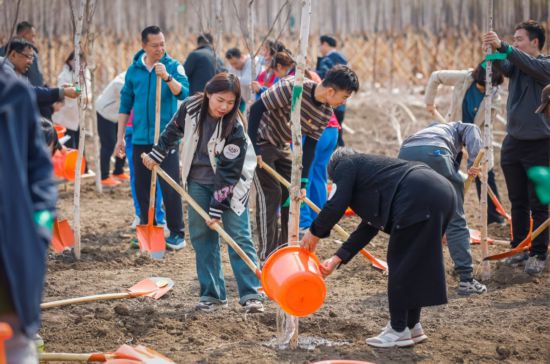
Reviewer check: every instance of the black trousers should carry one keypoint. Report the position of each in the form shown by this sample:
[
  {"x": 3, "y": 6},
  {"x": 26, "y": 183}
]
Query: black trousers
[
  {"x": 492, "y": 214},
  {"x": 107, "y": 131},
  {"x": 270, "y": 197},
  {"x": 400, "y": 319},
  {"x": 517, "y": 156},
  {"x": 340, "y": 112},
  {"x": 172, "y": 200}
]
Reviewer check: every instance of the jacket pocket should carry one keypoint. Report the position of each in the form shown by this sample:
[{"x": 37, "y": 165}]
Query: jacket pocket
[{"x": 411, "y": 219}]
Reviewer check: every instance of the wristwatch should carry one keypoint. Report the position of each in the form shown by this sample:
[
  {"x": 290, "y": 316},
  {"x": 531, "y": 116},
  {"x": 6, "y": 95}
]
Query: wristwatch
[{"x": 170, "y": 78}]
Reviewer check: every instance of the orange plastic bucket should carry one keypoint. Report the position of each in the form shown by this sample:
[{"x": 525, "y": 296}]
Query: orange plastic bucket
[
  {"x": 60, "y": 129},
  {"x": 69, "y": 165},
  {"x": 291, "y": 277},
  {"x": 5, "y": 334},
  {"x": 57, "y": 160}
]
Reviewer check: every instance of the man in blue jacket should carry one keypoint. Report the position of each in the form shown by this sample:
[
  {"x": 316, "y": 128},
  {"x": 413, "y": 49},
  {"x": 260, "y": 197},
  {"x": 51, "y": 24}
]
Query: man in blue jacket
[
  {"x": 139, "y": 94},
  {"x": 27, "y": 207},
  {"x": 330, "y": 57}
]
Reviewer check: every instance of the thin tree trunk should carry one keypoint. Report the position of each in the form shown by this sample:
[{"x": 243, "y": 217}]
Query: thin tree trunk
[
  {"x": 82, "y": 125},
  {"x": 251, "y": 44},
  {"x": 294, "y": 211},
  {"x": 487, "y": 143}
]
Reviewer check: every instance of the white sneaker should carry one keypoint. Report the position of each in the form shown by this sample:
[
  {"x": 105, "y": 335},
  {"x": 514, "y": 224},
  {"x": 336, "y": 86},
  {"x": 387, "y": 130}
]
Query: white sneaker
[
  {"x": 389, "y": 338},
  {"x": 417, "y": 334},
  {"x": 208, "y": 306}
]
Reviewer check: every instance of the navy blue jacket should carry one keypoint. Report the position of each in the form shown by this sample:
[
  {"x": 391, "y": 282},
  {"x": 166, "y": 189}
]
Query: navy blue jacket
[
  {"x": 26, "y": 186},
  {"x": 324, "y": 64},
  {"x": 200, "y": 66}
]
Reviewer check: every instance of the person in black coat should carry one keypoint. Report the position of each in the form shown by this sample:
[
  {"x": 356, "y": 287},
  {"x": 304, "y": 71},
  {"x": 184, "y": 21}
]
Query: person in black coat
[
  {"x": 410, "y": 202},
  {"x": 202, "y": 64}
]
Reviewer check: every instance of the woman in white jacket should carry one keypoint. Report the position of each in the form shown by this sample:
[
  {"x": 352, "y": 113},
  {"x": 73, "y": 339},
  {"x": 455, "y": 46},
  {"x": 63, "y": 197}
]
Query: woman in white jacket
[
  {"x": 468, "y": 106},
  {"x": 68, "y": 114}
]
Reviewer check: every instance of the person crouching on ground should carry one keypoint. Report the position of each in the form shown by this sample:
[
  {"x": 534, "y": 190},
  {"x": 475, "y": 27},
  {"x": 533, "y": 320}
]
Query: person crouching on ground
[
  {"x": 389, "y": 194},
  {"x": 218, "y": 167}
]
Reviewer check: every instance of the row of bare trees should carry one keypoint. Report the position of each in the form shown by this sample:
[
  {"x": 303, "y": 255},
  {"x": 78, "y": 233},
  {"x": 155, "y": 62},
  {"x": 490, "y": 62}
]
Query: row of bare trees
[{"x": 125, "y": 18}]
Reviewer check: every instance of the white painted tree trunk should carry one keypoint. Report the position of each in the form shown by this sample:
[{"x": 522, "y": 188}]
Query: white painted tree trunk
[
  {"x": 251, "y": 50},
  {"x": 295, "y": 181},
  {"x": 81, "y": 114},
  {"x": 487, "y": 146}
]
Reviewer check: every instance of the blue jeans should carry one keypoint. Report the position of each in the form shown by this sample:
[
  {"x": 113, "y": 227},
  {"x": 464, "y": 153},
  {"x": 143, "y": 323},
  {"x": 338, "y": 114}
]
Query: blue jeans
[
  {"x": 159, "y": 212},
  {"x": 317, "y": 185},
  {"x": 458, "y": 235},
  {"x": 206, "y": 243}
]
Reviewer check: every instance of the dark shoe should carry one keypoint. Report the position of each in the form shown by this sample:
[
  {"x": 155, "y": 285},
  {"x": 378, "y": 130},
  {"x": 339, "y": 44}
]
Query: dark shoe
[{"x": 535, "y": 265}]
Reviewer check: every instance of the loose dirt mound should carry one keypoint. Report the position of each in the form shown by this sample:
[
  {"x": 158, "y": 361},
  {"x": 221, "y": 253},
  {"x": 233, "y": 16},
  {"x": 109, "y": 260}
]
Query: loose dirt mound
[{"x": 508, "y": 323}]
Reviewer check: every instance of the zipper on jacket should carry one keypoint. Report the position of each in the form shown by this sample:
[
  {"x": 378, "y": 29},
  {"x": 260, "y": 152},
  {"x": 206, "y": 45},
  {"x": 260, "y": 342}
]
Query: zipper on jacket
[{"x": 147, "y": 104}]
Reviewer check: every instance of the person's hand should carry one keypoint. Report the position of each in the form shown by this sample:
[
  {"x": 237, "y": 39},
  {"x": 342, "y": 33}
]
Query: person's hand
[
  {"x": 303, "y": 194},
  {"x": 260, "y": 161},
  {"x": 148, "y": 161},
  {"x": 309, "y": 241},
  {"x": 160, "y": 70},
  {"x": 57, "y": 106},
  {"x": 328, "y": 266},
  {"x": 212, "y": 223},
  {"x": 430, "y": 108},
  {"x": 492, "y": 39},
  {"x": 255, "y": 85},
  {"x": 70, "y": 92},
  {"x": 474, "y": 171},
  {"x": 120, "y": 148}
]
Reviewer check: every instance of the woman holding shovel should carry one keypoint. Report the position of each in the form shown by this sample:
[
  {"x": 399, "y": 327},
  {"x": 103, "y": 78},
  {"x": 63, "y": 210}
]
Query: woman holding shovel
[{"x": 218, "y": 166}]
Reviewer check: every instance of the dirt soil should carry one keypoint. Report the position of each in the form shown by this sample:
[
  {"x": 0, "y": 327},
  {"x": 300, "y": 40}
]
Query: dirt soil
[{"x": 510, "y": 323}]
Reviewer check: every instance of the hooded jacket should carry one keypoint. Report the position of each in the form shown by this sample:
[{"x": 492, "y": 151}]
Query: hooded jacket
[{"x": 139, "y": 92}]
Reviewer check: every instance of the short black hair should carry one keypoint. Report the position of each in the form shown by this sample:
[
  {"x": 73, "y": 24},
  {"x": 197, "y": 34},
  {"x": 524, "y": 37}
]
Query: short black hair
[
  {"x": 205, "y": 38},
  {"x": 479, "y": 75},
  {"x": 151, "y": 29},
  {"x": 535, "y": 30},
  {"x": 17, "y": 45},
  {"x": 331, "y": 41},
  {"x": 341, "y": 77},
  {"x": 23, "y": 26},
  {"x": 233, "y": 53},
  {"x": 50, "y": 134}
]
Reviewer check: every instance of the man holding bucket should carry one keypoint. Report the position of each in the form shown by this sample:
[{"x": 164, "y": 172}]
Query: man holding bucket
[{"x": 390, "y": 195}]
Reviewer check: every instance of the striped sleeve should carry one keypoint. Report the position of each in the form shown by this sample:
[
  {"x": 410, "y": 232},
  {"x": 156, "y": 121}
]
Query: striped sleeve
[{"x": 278, "y": 96}]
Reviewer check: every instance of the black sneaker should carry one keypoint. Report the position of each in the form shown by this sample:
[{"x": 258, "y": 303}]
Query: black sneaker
[
  {"x": 517, "y": 260},
  {"x": 207, "y": 306},
  {"x": 535, "y": 265}
]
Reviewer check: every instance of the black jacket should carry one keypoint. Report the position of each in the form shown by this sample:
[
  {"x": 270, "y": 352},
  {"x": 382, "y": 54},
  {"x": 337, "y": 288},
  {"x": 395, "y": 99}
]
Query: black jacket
[
  {"x": 528, "y": 76},
  {"x": 200, "y": 66},
  {"x": 366, "y": 183},
  {"x": 229, "y": 165}
]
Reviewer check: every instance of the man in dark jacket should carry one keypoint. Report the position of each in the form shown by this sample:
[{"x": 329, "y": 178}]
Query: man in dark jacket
[
  {"x": 27, "y": 206},
  {"x": 527, "y": 142},
  {"x": 389, "y": 194},
  {"x": 17, "y": 62},
  {"x": 26, "y": 30},
  {"x": 330, "y": 57},
  {"x": 202, "y": 64}
]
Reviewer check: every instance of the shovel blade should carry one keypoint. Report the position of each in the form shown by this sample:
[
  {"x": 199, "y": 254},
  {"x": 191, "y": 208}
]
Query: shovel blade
[
  {"x": 62, "y": 237},
  {"x": 151, "y": 240},
  {"x": 138, "y": 354},
  {"x": 155, "y": 287}
]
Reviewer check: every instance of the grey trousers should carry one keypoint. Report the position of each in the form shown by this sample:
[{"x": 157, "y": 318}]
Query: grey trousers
[{"x": 458, "y": 235}]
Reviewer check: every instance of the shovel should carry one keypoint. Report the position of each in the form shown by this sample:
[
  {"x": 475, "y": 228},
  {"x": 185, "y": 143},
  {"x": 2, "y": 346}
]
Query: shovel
[
  {"x": 500, "y": 209},
  {"x": 150, "y": 237},
  {"x": 126, "y": 354},
  {"x": 470, "y": 179},
  {"x": 228, "y": 239},
  {"x": 5, "y": 334},
  {"x": 377, "y": 263},
  {"x": 62, "y": 236},
  {"x": 524, "y": 245},
  {"x": 154, "y": 287}
]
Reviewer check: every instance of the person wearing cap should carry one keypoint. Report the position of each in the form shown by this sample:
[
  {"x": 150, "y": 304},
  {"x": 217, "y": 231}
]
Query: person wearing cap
[
  {"x": 527, "y": 143},
  {"x": 389, "y": 194}
]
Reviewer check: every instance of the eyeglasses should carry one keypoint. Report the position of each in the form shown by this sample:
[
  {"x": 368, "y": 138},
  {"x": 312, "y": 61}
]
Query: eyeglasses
[{"x": 30, "y": 57}]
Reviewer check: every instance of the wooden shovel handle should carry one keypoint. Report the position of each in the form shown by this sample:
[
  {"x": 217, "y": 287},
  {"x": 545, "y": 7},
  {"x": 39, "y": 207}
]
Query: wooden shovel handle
[
  {"x": 206, "y": 217},
  {"x": 343, "y": 233},
  {"x": 90, "y": 357},
  {"x": 439, "y": 117},
  {"x": 153, "y": 188},
  {"x": 99, "y": 297},
  {"x": 477, "y": 161}
]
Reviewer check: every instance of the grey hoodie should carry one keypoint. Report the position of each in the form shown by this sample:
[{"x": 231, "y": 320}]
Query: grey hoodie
[{"x": 528, "y": 76}]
